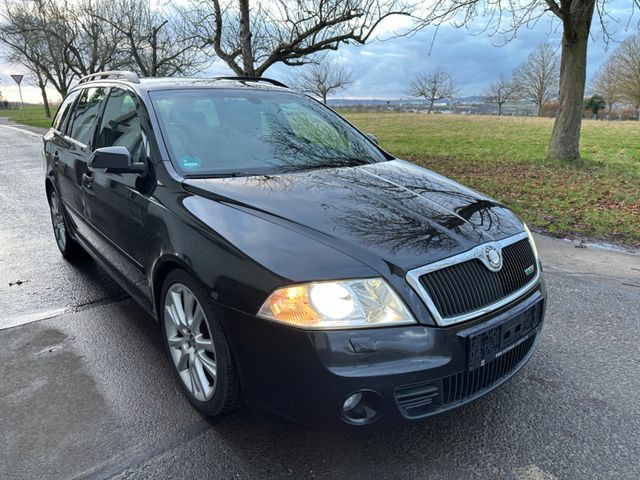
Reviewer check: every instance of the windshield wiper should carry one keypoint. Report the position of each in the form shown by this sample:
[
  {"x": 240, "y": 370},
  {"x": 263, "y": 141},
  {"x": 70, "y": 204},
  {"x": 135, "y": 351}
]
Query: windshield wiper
[
  {"x": 231, "y": 175},
  {"x": 222, "y": 175},
  {"x": 342, "y": 163}
]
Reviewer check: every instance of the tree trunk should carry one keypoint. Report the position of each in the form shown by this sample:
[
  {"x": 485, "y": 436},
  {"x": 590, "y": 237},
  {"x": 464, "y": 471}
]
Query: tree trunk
[
  {"x": 154, "y": 53},
  {"x": 430, "y": 105},
  {"x": 499, "y": 109},
  {"x": 324, "y": 98},
  {"x": 245, "y": 40},
  {"x": 45, "y": 99},
  {"x": 565, "y": 139}
]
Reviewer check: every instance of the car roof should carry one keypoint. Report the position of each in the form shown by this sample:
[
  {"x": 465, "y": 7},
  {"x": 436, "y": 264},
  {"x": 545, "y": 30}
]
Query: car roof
[{"x": 175, "y": 83}]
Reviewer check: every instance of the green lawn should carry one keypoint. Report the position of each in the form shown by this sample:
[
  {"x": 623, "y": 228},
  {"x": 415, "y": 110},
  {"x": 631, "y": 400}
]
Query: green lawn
[
  {"x": 505, "y": 158},
  {"x": 31, "y": 115}
]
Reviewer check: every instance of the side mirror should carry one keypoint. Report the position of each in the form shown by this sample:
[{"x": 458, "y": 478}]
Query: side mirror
[
  {"x": 116, "y": 160},
  {"x": 372, "y": 137}
]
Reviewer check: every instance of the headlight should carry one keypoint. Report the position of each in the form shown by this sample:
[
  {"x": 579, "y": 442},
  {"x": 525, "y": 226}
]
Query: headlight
[{"x": 340, "y": 304}]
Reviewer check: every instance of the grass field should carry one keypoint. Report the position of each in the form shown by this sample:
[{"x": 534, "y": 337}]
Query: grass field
[
  {"x": 31, "y": 115},
  {"x": 505, "y": 158}
]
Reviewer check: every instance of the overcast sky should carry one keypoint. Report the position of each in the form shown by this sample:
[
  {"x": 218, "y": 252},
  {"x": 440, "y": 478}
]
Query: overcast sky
[{"x": 383, "y": 68}]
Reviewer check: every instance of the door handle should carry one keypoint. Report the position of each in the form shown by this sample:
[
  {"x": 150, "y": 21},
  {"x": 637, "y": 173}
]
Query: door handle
[{"x": 87, "y": 179}]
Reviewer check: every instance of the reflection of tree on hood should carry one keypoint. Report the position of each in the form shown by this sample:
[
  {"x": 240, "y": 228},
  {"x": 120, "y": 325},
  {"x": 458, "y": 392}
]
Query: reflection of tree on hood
[
  {"x": 424, "y": 213},
  {"x": 465, "y": 203}
]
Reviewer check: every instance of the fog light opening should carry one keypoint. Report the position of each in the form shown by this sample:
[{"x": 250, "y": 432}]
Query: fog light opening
[
  {"x": 362, "y": 407},
  {"x": 352, "y": 402}
]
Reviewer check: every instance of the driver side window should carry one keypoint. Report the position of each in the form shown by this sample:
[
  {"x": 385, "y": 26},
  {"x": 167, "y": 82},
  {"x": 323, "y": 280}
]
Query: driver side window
[{"x": 120, "y": 125}]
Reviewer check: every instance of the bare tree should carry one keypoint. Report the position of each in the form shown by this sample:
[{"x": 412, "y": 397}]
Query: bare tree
[
  {"x": 323, "y": 79},
  {"x": 626, "y": 62},
  {"x": 576, "y": 18},
  {"x": 155, "y": 39},
  {"x": 501, "y": 91},
  {"x": 607, "y": 83},
  {"x": 252, "y": 35},
  {"x": 433, "y": 86},
  {"x": 93, "y": 45},
  {"x": 25, "y": 29},
  {"x": 33, "y": 63},
  {"x": 58, "y": 39},
  {"x": 537, "y": 78}
]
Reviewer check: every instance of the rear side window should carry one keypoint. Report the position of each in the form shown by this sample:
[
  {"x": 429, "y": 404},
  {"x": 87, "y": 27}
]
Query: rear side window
[
  {"x": 86, "y": 113},
  {"x": 120, "y": 124},
  {"x": 63, "y": 112}
]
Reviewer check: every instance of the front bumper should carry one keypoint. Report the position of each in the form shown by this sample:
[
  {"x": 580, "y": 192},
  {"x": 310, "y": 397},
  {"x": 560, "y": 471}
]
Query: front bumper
[{"x": 412, "y": 372}]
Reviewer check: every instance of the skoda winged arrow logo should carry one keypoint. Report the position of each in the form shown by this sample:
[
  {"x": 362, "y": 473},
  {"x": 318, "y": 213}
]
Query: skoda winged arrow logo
[{"x": 493, "y": 258}]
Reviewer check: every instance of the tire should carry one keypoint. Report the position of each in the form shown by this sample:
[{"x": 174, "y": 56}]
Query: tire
[
  {"x": 196, "y": 345},
  {"x": 69, "y": 248}
]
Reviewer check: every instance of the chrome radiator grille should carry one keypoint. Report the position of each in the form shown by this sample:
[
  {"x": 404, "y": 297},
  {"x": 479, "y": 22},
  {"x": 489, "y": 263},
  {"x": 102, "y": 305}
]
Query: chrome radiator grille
[{"x": 463, "y": 286}]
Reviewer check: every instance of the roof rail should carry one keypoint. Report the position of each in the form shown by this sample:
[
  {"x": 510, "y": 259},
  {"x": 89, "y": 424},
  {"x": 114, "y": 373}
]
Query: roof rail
[
  {"x": 130, "y": 76},
  {"x": 254, "y": 79}
]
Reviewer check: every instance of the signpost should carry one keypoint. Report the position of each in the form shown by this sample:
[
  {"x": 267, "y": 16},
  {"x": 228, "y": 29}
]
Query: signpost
[{"x": 18, "y": 80}]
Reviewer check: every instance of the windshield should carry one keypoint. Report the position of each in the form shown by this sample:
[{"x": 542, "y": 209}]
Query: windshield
[{"x": 219, "y": 132}]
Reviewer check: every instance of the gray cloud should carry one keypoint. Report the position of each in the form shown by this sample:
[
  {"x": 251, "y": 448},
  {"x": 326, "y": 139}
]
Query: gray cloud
[{"x": 384, "y": 68}]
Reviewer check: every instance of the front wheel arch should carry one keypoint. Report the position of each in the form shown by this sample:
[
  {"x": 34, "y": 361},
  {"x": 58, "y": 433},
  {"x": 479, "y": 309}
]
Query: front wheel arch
[{"x": 162, "y": 268}]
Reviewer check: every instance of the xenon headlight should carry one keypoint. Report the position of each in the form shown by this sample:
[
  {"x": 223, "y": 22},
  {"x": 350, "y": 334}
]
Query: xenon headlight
[{"x": 339, "y": 304}]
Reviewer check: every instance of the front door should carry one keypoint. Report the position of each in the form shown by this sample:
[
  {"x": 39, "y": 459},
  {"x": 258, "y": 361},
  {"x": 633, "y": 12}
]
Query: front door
[{"x": 116, "y": 204}]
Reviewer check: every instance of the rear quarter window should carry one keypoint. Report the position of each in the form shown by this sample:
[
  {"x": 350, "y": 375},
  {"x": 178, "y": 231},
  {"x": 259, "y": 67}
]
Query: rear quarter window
[{"x": 62, "y": 114}]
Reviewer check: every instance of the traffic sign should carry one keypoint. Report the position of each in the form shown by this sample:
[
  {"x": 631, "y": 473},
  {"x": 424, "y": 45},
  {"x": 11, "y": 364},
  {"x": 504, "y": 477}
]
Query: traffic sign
[{"x": 18, "y": 79}]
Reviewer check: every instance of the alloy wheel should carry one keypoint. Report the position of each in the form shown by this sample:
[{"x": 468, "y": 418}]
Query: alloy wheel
[
  {"x": 57, "y": 219},
  {"x": 190, "y": 341}
]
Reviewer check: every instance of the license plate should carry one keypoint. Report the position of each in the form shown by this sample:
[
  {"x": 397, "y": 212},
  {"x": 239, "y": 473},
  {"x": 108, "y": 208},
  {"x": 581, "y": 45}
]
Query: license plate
[{"x": 488, "y": 343}]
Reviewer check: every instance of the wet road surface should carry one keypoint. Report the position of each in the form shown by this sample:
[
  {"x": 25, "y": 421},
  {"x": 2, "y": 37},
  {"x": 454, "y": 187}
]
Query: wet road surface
[{"x": 85, "y": 390}]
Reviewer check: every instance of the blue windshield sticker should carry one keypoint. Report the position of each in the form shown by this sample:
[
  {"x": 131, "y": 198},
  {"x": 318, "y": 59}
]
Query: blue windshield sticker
[{"x": 190, "y": 162}]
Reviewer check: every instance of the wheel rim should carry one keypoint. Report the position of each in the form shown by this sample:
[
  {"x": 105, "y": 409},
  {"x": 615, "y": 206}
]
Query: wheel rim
[
  {"x": 59, "y": 228},
  {"x": 190, "y": 341}
]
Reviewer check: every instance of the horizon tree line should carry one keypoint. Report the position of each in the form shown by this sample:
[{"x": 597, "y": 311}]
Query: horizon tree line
[
  {"x": 535, "y": 80},
  {"x": 60, "y": 40}
]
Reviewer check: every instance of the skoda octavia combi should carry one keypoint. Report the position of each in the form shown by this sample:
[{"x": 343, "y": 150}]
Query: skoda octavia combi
[{"x": 291, "y": 263}]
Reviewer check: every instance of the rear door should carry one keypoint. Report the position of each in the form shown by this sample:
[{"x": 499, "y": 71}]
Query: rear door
[
  {"x": 116, "y": 204},
  {"x": 74, "y": 149},
  {"x": 54, "y": 138}
]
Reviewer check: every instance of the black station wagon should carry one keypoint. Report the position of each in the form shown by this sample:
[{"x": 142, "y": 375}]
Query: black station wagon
[{"x": 292, "y": 263}]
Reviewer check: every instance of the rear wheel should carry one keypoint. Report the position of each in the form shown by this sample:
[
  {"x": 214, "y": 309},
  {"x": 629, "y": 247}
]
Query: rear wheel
[
  {"x": 68, "y": 247},
  {"x": 197, "y": 346}
]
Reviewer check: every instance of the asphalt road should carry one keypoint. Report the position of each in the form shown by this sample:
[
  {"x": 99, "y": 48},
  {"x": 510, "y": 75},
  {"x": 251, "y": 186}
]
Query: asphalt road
[{"x": 85, "y": 390}]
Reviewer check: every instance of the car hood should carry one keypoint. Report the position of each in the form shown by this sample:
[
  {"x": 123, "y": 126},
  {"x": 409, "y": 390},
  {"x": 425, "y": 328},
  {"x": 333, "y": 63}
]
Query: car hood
[{"x": 395, "y": 212}]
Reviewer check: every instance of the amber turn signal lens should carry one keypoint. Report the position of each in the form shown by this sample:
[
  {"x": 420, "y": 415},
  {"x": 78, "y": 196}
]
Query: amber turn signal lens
[{"x": 291, "y": 305}]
